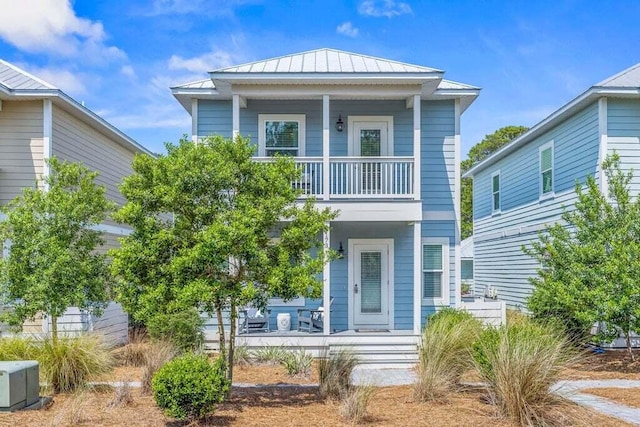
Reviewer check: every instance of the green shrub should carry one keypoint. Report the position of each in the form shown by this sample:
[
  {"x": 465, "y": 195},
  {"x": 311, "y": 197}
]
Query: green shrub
[
  {"x": 189, "y": 386},
  {"x": 520, "y": 362},
  {"x": 297, "y": 362},
  {"x": 269, "y": 354},
  {"x": 69, "y": 363},
  {"x": 334, "y": 373},
  {"x": 445, "y": 353},
  {"x": 184, "y": 329}
]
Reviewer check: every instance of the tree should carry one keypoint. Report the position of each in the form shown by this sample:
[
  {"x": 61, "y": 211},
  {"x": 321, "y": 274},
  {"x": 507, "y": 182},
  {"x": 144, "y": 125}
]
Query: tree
[
  {"x": 490, "y": 144},
  {"x": 591, "y": 262},
  {"x": 205, "y": 220},
  {"x": 53, "y": 263}
]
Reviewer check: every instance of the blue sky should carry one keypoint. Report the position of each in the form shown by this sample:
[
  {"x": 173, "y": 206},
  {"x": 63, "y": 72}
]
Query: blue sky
[{"x": 121, "y": 56}]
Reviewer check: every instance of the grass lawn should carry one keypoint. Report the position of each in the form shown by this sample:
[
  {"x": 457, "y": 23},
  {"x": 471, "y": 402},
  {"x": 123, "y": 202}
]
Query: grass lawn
[{"x": 294, "y": 406}]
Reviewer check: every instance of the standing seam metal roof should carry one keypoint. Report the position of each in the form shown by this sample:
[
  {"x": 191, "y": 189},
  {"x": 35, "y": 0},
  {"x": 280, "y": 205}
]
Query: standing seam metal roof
[{"x": 16, "y": 79}]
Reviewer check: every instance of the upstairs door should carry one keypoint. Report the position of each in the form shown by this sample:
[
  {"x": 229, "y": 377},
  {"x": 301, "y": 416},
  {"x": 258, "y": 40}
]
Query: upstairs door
[{"x": 370, "y": 137}]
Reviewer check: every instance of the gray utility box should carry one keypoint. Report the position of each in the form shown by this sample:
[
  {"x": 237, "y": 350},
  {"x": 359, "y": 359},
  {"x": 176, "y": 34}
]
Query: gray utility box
[{"x": 19, "y": 384}]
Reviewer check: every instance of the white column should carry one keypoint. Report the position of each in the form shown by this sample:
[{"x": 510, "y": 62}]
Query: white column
[
  {"x": 236, "y": 115},
  {"x": 416, "y": 147},
  {"x": 194, "y": 120},
  {"x": 456, "y": 204},
  {"x": 603, "y": 131},
  {"x": 417, "y": 277},
  {"x": 326, "y": 291},
  {"x": 47, "y": 137},
  {"x": 325, "y": 147}
]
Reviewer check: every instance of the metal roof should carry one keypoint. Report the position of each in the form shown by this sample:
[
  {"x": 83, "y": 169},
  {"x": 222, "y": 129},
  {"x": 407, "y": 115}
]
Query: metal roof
[
  {"x": 327, "y": 61},
  {"x": 626, "y": 78},
  {"x": 14, "y": 78}
]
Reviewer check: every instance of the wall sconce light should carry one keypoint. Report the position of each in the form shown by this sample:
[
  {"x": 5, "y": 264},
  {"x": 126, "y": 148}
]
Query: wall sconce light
[
  {"x": 341, "y": 251},
  {"x": 339, "y": 123}
]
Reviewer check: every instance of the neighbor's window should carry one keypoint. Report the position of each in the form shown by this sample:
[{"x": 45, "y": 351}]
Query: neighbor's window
[
  {"x": 281, "y": 134},
  {"x": 546, "y": 169},
  {"x": 466, "y": 269},
  {"x": 434, "y": 269},
  {"x": 495, "y": 190}
]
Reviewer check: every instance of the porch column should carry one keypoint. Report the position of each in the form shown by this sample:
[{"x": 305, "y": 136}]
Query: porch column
[
  {"x": 325, "y": 147},
  {"x": 194, "y": 120},
  {"x": 236, "y": 115},
  {"x": 417, "y": 277},
  {"x": 416, "y": 147},
  {"x": 47, "y": 139},
  {"x": 456, "y": 205},
  {"x": 326, "y": 290}
]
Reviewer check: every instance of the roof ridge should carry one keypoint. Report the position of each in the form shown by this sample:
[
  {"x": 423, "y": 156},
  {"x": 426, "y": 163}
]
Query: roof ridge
[
  {"x": 28, "y": 74},
  {"x": 615, "y": 76}
]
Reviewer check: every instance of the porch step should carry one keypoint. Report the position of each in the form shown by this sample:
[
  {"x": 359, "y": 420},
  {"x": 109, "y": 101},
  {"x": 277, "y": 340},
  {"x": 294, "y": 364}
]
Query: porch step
[{"x": 383, "y": 355}]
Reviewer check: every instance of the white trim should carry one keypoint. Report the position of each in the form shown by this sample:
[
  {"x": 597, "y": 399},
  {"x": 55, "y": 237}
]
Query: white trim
[
  {"x": 235, "y": 115},
  {"x": 494, "y": 210},
  {"x": 604, "y": 144},
  {"x": 112, "y": 229},
  {"x": 194, "y": 120},
  {"x": 445, "y": 299},
  {"x": 551, "y": 194},
  {"x": 326, "y": 141},
  {"x": 410, "y": 210},
  {"x": 390, "y": 273},
  {"x": 456, "y": 204},
  {"x": 417, "y": 277},
  {"x": 47, "y": 139},
  {"x": 417, "y": 144},
  {"x": 326, "y": 284},
  {"x": 386, "y": 150},
  {"x": 279, "y": 302},
  {"x": 300, "y": 118},
  {"x": 438, "y": 215}
]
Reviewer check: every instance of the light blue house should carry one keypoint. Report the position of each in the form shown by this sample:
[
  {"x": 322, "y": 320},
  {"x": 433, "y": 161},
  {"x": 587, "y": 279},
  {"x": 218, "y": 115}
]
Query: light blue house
[
  {"x": 524, "y": 186},
  {"x": 378, "y": 140}
]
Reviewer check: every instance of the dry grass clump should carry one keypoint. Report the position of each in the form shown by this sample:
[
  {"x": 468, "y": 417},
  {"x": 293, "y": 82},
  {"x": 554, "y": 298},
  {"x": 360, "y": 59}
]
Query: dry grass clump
[
  {"x": 520, "y": 362},
  {"x": 445, "y": 353},
  {"x": 334, "y": 373},
  {"x": 159, "y": 353},
  {"x": 122, "y": 395},
  {"x": 133, "y": 353},
  {"x": 75, "y": 410},
  {"x": 355, "y": 401}
]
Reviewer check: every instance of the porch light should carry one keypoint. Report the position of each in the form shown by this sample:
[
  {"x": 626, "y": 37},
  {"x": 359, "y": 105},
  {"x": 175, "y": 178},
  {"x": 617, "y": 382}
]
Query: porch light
[
  {"x": 341, "y": 251},
  {"x": 339, "y": 123}
]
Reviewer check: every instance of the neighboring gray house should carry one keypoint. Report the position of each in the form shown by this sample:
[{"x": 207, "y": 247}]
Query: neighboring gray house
[
  {"x": 466, "y": 266},
  {"x": 378, "y": 140},
  {"x": 37, "y": 121},
  {"x": 524, "y": 186}
]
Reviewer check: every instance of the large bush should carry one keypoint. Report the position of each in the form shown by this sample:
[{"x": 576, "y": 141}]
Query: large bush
[
  {"x": 189, "y": 386},
  {"x": 520, "y": 362},
  {"x": 445, "y": 353},
  {"x": 183, "y": 329}
]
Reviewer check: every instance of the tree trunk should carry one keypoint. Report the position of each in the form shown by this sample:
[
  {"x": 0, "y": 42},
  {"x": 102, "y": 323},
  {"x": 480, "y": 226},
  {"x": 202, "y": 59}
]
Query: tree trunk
[
  {"x": 232, "y": 339},
  {"x": 627, "y": 337},
  {"x": 54, "y": 330},
  {"x": 221, "y": 337}
]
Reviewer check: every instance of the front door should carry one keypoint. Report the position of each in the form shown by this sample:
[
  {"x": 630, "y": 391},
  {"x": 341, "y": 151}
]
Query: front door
[{"x": 371, "y": 283}]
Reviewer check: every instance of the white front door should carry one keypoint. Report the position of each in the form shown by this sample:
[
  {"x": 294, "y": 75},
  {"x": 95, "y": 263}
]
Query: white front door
[{"x": 371, "y": 283}]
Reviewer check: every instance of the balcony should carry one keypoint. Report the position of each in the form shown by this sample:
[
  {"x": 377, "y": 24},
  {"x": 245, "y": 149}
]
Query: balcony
[{"x": 372, "y": 178}]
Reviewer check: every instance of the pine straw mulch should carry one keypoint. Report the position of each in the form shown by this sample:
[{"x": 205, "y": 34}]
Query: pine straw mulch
[
  {"x": 612, "y": 364},
  {"x": 625, "y": 396}
]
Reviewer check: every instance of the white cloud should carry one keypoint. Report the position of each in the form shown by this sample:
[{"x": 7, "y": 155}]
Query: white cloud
[
  {"x": 347, "y": 29},
  {"x": 203, "y": 63},
  {"x": 51, "y": 26},
  {"x": 387, "y": 8},
  {"x": 128, "y": 71},
  {"x": 183, "y": 7},
  {"x": 70, "y": 83}
]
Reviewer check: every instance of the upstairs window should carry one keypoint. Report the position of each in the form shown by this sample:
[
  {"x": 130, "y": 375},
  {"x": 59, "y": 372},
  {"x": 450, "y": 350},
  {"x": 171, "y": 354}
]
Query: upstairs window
[
  {"x": 546, "y": 170},
  {"x": 434, "y": 269},
  {"x": 495, "y": 191},
  {"x": 281, "y": 134}
]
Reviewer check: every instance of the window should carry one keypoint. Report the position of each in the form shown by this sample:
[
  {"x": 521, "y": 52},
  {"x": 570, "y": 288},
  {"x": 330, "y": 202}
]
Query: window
[
  {"x": 281, "y": 134},
  {"x": 546, "y": 170},
  {"x": 466, "y": 269},
  {"x": 435, "y": 271},
  {"x": 495, "y": 191}
]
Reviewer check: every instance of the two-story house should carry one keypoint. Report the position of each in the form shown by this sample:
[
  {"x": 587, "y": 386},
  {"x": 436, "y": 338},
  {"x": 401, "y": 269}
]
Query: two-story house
[
  {"x": 37, "y": 121},
  {"x": 377, "y": 140},
  {"x": 525, "y": 185}
]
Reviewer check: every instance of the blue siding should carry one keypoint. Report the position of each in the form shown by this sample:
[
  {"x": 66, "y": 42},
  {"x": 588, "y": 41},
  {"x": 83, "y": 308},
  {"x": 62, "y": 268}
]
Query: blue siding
[
  {"x": 498, "y": 239},
  {"x": 623, "y": 124},
  {"x": 438, "y": 155},
  {"x": 214, "y": 118},
  {"x": 443, "y": 229}
]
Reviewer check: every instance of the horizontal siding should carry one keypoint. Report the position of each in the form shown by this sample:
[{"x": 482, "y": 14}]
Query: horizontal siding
[
  {"x": 576, "y": 146},
  {"x": 438, "y": 155},
  {"x": 21, "y": 147},
  {"x": 75, "y": 141},
  {"x": 214, "y": 118},
  {"x": 113, "y": 325},
  {"x": 623, "y": 128}
]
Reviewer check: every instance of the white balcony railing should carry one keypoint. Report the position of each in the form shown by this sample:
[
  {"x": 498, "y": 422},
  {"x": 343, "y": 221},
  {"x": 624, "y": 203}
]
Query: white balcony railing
[{"x": 357, "y": 177}]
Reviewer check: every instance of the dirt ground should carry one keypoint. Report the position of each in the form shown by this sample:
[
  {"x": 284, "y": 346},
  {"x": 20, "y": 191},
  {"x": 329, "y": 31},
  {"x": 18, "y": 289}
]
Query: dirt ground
[{"x": 294, "y": 406}]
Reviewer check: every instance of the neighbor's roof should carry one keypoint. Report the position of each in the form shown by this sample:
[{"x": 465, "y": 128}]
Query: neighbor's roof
[
  {"x": 16, "y": 83},
  {"x": 624, "y": 84},
  {"x": 327, "y": 61}
]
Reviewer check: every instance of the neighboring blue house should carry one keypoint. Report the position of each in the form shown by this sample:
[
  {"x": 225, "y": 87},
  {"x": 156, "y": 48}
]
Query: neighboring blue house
[
  {"x": 524, "y": 186},
  {"x": 378, "y": 140}
]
